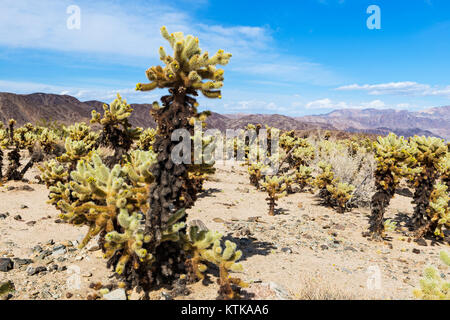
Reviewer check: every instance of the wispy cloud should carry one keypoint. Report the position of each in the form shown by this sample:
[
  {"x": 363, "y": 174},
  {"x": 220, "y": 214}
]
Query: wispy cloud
[
  {"x": 407, "y": 88},
  {"x": 115, "y": 31}
]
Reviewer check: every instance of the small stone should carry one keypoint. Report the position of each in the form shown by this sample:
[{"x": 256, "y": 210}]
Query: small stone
[
  {"x": 6, "y": 264},
  {"x": 50, "y": 242},
  {"x": 280, "y": 292},
  {"x": 350, "y": 249},
  {"x": 33, "y": 271},
  {"x": 166, "y": 296},
  {"x": 37, "y": 248},
  {"x": 93, "y": 247},
  {"x": 61, "y": 259},
  {"x": 26, "y": 188},
  {"x": 10, "y": 188},
  {"x": 118, "y": 294},
  {"x": 69, "y": 295},
  {"x": 59, "y": 252},
  {"x": 23, "y": 206},
  {"x": 18, "y": 217},
  {"x": 31, "y": 223},
  {"x": 421, "y": 242},
  {"x": 87, "y": 275},
  {"x": 3, "y": 216},
  {"x": 416, "y": 251},
  {"x": 286, "y": 250},
  {"x": 58, "y": 247},
  {"x": 324, "y": 247}
]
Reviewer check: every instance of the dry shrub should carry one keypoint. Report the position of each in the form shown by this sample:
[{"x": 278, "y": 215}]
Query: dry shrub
[
  {"x": 321, "y": 289},
  {"x": 355, "y": 168}
]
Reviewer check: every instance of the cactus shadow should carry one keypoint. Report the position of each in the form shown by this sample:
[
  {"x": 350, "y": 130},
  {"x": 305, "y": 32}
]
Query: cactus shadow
[
  {"x": 209, "y": 193},
  {"x": 251, "y": 246}
]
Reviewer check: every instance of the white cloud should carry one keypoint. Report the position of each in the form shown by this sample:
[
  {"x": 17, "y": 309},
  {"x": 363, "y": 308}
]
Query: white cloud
[
  {"x": 129, "y": 32},
  {"x": 407, "y": 88}
]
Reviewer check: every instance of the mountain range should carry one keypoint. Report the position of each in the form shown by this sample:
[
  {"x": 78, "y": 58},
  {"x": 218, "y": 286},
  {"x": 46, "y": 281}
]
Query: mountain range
[{"x": 67, "y": 109}]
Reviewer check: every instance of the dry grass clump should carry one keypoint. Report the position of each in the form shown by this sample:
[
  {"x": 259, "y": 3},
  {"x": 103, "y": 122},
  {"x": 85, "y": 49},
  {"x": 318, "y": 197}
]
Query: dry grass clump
[{"x": 322, "y": 289}]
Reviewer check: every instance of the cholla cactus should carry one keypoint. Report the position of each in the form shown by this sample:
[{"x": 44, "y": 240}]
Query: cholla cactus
[
  {"x": 146, "y": 139},
  {"x": 427, "y": 153},
  {"x": 303, "y": 177},
  {"x": 25, "y": 137},
  {"x": 82, "y": 132},
  {"x": 48, "y": 141},
  {"x": 53, "y": 172},
  {"x": 75, "y": 151},
  {"x": 438, "y": 212},
  {"x": 276, "y": 189},
  {"x": 205, "y": 246},
  {"x": 302, "y": 155},
  {"x": 256, "y": 172},
  {"x": 117, "y": 132},
  {"x": 323, "y": 180},
  {"x": 341, "y": 194},
  {"x": 391, "y": 153},
  {"x": 432, "y": 286}
]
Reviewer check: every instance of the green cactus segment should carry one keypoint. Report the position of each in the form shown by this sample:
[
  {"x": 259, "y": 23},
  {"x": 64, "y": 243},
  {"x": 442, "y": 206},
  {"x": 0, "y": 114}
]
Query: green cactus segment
[
  {"x": 439, "y": 210},
  {"x": 432, "y": 285},
  {"x": 189, "y": 67},
  {"x": 341, "y": 193}
]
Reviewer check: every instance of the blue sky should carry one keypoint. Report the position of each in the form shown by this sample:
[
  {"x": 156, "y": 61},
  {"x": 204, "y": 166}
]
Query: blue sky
[{"x": 289, "y": 57}]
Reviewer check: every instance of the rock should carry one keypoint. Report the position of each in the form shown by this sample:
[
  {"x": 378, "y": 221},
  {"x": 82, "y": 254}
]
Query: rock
[
  {"x": 6, "y": 264},
  {"x": 416, "y": 251},
  {"x": 21, "y": 262},
  {"x": 286, "y": 250},
  {"x": 31, "y": 271},
  {"x": 31, "y": 223},
  {"x": 50, "y": 242},
  {"x": 59, "y": 252},
  {"x": 280, "y": 292},
  {"x": 86, "y": 275},
  {"x": 93, "y": 247},
  {"x": 18, "y": 217},
  {"x": 26, "y": 188},
  {"x": 58, "y": 247},
  {"x": 324, "y": 247},
  {"x": 421, "y": 242},
  {"x": 23, "y": 206},
  {"x": 350, "y": 249},
  {"x": 118, "y": 294},
  {"x": 69, "y": 295},
  {"x": 37, "y": 249},
  {"x": 166, "y": 296},
  {"x": 3, "y": 216}
]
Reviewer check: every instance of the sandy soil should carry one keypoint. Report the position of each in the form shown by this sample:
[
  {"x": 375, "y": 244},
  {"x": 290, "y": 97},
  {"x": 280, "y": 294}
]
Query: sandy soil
[{"x": 305, "y": 252}]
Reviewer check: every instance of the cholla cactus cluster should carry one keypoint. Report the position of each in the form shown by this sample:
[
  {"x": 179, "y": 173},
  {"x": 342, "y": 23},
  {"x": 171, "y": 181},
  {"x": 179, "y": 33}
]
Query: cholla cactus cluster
[{"x": 432, "y": 285}]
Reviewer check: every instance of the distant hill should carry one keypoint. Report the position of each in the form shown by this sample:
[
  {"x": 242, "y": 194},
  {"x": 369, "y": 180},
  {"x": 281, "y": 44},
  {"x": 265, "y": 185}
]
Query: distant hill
[
  {"x": 67, "y": 109},
  {"x": 434, "y": 121}
]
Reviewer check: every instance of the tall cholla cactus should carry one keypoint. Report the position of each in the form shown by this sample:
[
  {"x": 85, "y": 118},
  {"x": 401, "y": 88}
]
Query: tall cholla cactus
[
  {"x": 427, "y": 153},
  {"x": 117, "y": 133},
  {"x": 391, "y": 153},
  {"x": 276, "y": 189},
  {"x": 186, "y": 72},
  {"x": 432, "y": 286}
]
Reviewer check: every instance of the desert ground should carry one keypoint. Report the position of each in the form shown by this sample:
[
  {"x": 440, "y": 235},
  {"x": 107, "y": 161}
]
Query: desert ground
[{"x": 306, "y": 251}]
